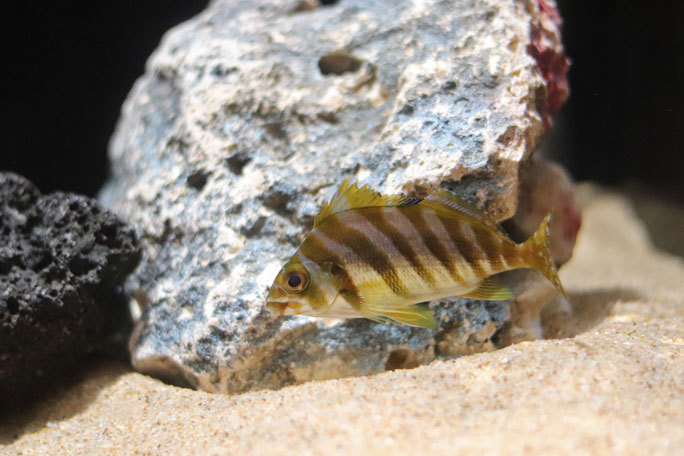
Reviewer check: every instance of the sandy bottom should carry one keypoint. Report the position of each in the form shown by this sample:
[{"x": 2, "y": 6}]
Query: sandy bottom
[{"x": 609, "y": 380}]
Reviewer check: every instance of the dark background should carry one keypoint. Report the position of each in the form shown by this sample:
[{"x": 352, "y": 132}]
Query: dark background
[{"x": 67, "y": 67}]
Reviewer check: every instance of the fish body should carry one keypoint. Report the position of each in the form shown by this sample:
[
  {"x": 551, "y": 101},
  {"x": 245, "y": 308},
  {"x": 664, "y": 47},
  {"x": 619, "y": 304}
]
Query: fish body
[{"x": 378, "y": 256}]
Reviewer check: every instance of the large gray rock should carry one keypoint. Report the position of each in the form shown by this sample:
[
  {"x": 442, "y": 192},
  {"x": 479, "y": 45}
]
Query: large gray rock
[{"x": 248, "y": 118}]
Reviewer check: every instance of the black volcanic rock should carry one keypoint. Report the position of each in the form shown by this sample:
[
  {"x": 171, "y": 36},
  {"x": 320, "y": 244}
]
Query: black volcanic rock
[{"x": 62, "y": 261}]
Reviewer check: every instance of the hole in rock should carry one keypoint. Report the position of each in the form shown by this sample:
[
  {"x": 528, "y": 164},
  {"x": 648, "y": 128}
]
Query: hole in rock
[
  {"x": 6, "y": 265},
  {"x": 237, "y": 162},
  {"x": 198, "y": 179},
  {"x": 276, "y": 129},
  {"x": 44, "y": 260},
  {"x": 81, "y": 265},
  {"x": 401, "y": 358},
  {"x": 255, "y": 228},
  {"x": 308, "y": 5},
  {"x": 108, "y": 235},
  {"x": 339, "y": 62},
  {"x": 328, "y": 117},
  {"x": 12, "y": 305},
  {"x": 278, "y": 199}
]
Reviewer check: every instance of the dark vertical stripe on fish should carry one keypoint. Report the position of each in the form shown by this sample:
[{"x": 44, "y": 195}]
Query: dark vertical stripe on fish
[
  {"x": 469, "y": 252},
  {"x": 377, "y": 219},
  {"x": 314, "y": 248},
  {"x": 433, "y": 244},
  {"x": 488, "y": 244},
  {"x": 357, "y": 241},
  {"x": 509, "y": 251}
]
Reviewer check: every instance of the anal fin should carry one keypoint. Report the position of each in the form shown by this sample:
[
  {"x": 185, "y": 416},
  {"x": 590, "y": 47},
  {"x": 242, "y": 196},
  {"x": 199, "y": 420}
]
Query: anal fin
[
  {"x": 412, "y": 315},
  {"x": 489, "y": 289}
]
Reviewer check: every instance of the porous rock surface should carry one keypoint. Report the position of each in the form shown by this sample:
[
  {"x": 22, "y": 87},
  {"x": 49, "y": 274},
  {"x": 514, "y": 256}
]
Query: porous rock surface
[
  {"x": 247, "y": 119},
  {"x": 62, "y": 259}
]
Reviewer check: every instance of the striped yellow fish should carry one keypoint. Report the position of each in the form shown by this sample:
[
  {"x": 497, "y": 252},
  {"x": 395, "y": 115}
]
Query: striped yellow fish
[{"x": 378, "y": 256}]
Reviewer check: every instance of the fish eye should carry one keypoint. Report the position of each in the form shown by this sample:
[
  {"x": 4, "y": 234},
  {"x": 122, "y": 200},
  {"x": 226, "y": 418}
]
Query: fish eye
[{"x": 296, "y": 281}]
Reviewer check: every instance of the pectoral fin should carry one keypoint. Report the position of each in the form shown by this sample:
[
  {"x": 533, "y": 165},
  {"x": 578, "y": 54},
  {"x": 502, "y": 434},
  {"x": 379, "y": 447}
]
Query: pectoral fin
[
  {"x": 412, "y": 315},
  {"x": 343, "y": 284},
  {"x": 490, "y": 289}
]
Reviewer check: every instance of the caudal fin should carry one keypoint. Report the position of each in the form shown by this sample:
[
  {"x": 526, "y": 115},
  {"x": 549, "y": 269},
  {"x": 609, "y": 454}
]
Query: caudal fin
[{"x": 538, "y": 254}]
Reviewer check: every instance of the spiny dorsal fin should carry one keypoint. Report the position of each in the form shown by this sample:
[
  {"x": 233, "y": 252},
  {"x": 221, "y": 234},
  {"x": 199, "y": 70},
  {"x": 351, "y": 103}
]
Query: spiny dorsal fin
[
  {"x": 350, "y": 196},
  {"x": 443, "y": 200}
]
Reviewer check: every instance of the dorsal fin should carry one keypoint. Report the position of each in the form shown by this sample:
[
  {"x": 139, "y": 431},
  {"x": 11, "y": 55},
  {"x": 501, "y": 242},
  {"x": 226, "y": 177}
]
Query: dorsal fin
[
  {"x": 443, "y": 200},
  {"x": 351, "y": 196}
]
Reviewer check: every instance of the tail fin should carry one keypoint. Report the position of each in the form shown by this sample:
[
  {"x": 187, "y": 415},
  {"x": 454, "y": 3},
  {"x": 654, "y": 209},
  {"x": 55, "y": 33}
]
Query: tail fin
[{"x": 539, "y": 256}]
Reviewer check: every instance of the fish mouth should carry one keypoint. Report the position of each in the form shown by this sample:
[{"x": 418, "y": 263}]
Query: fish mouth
[{"x": 277, "y": 307}]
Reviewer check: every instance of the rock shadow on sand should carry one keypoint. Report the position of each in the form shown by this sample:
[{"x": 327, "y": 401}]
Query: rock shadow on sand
[
  {"x": 589, "y": 309},
  {"x": 60, "y": 400}
]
